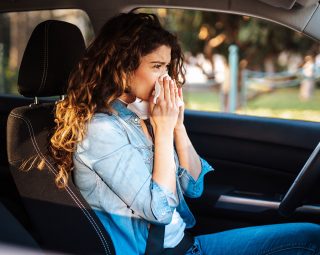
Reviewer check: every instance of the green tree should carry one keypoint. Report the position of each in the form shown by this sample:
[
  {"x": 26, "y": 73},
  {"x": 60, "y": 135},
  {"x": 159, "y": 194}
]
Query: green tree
[{"x": 257, "y": 39}]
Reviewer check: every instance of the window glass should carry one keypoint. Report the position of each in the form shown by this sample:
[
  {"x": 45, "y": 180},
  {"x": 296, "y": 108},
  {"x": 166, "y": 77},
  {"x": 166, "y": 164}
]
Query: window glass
[
  {"x": 246, "y": 65},
  {"x": 15, "y": 30}
]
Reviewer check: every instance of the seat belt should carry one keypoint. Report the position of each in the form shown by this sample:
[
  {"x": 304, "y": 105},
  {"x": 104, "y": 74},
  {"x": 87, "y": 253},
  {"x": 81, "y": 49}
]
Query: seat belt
[{"x": 155, "y": 240}]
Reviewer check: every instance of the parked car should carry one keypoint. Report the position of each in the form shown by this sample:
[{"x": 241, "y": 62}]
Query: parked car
[{"x": 256, "y": 159}]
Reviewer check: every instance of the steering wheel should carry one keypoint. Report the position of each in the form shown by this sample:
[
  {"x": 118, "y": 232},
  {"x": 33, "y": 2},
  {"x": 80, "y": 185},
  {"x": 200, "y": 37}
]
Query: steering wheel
[{"x": 303, "y": 183}]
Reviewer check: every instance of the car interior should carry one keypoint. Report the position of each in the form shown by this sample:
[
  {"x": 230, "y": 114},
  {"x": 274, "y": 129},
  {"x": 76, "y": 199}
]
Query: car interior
[{"x": 256, "y": 159}]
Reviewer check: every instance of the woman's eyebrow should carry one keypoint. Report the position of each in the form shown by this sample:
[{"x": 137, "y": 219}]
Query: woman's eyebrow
[{"x": 159, "y": 62}]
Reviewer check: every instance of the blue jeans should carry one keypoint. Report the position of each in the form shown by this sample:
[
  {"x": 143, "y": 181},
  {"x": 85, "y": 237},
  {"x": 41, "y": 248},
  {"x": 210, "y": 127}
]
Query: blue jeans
[{"x": 277, "y": 239}]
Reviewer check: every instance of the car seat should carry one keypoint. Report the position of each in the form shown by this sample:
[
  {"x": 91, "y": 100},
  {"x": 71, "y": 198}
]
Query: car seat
[{"x": 61, "y": 219}]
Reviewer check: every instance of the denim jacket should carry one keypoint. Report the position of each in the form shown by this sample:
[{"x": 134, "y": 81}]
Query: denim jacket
[{"x": 113, "y": 170}]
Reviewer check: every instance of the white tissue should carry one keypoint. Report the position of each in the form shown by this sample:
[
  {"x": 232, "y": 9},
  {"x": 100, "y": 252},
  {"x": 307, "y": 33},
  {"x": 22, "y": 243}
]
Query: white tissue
[
  {"x": 157, "y": 90},
  {"x": 140, "y": 107}
]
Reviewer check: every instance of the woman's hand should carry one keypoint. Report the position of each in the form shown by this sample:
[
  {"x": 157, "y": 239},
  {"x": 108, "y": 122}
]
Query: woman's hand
[
  {"x": 180, "y": 120},
  {"x": 163, "y": 118},
  {"x": 164, "y": 114}
]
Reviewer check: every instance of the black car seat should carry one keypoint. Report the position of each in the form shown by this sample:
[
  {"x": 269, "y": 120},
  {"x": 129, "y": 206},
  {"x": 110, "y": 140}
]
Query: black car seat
[
  {"x": 14, "y": 236},
  {"x": 61, "y": 219}
]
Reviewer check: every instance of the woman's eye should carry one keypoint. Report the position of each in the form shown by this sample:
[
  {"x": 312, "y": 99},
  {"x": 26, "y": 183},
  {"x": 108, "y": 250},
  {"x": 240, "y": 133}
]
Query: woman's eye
[{"x": 159, "y": 66}]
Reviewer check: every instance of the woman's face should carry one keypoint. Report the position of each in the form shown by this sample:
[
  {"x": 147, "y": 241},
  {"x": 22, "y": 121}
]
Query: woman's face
[{"x": 151, "y": 67}]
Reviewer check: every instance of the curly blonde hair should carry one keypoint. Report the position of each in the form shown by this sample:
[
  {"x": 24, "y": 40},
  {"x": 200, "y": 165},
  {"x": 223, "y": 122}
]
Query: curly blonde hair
[{"x": 103, "y": 75}]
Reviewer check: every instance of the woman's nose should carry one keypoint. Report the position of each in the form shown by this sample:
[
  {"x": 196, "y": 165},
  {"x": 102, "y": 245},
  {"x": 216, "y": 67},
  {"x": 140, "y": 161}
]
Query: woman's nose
[
  {"x": 163, "y": 74},
  {"x": 164, "y": 70}
]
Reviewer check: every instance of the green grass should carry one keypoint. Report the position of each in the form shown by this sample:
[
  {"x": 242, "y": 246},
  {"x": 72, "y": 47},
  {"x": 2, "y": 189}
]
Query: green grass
[
  {"x": 281, "y": 103},
  {"x": 285, "y": 99},
  {"x": 204, "y": 101}
]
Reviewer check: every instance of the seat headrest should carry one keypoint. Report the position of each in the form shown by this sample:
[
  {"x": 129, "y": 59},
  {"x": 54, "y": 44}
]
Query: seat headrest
[{"x": 51, "y": 53}]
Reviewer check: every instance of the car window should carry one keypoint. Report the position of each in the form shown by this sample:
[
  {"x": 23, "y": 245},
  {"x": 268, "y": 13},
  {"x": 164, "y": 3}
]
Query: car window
[
  {"x": 15, "y": 30},
  {"x": 246, "y": 65}
]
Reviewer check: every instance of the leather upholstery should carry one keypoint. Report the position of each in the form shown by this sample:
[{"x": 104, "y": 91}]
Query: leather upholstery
[
  {"x": 45, "y": 68},
  {"x": 61, "y": 218}
]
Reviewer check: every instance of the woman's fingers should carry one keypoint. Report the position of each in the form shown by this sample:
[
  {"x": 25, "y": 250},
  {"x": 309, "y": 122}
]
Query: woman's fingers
[
  {"x": 161, "y": 95},
  {"x": 176, "y": 90},
  {"x": 172, "y": 92},
  {"x": 166, "y": 88},
  {"x": 180, "y": 94},
  {"x": 166, "y": 111},
  {"x": 169, "y": 94}
]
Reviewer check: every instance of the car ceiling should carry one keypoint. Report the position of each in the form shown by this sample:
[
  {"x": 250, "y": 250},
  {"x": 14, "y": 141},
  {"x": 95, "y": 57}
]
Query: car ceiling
[{"x": 300, "y": 15}]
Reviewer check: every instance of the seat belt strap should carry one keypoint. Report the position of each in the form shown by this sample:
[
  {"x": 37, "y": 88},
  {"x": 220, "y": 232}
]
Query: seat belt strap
[{"x": 155, "y": 240}]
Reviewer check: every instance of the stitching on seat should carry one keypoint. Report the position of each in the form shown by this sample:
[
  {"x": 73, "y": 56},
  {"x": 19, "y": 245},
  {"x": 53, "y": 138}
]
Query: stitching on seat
[
  {"x": 70, "y": 192},
  {"x": 84, "y": 210},
  {"x": 46, "y": 58}
]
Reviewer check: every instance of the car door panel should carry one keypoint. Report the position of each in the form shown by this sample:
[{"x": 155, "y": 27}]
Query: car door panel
[{"x": 255, "y": 159}]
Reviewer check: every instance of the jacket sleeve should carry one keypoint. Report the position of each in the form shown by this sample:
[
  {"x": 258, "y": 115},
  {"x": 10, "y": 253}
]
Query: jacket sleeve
[
  {"x": 191, "y": 187},
  {"x": 122, "y": 168}
]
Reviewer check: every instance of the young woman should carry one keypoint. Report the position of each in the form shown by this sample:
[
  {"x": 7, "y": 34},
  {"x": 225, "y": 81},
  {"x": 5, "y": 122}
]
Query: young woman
[{"x": 121, "y": 130}]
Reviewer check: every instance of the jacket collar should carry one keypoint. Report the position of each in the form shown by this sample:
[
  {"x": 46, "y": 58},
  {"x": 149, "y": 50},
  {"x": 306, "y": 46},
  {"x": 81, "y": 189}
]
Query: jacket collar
[{"x": 122, "y": 110}]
